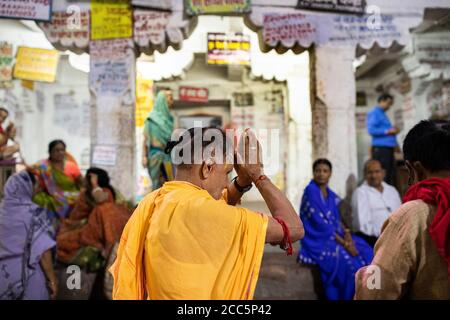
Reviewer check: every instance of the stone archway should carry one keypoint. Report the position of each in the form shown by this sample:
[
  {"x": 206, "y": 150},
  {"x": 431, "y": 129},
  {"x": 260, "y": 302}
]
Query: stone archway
[{"x": 333, "y": 37}]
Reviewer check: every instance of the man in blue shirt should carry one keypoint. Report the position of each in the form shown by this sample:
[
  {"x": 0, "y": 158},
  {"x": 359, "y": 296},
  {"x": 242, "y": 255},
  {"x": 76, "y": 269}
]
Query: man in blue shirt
[{"x": 383, "y": 134}]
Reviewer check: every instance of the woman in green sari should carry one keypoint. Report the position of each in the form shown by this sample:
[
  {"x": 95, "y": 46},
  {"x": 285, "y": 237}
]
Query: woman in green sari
[
  {"x": 60, "y": 179},
  {"x": 157, "y": 132}
]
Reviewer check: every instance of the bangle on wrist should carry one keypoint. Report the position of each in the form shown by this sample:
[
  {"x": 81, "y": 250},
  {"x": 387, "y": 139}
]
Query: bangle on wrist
[
  {"x": 260, "y": 179},
  {"x": 241, "y": 189},
  {"x": 286, "y": 243},
  {"x": 240, "y": 182}
]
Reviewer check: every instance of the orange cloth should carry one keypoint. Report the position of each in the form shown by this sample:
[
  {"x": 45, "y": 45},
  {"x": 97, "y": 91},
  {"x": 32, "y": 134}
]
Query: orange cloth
[
  {"x": 180, "y": 243},
  {"x": 104, "y": 225},
  {"x": 72, "y": 170}
]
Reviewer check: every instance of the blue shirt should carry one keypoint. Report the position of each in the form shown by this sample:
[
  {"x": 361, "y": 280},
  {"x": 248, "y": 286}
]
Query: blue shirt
[{"x": 377, "y": 125}]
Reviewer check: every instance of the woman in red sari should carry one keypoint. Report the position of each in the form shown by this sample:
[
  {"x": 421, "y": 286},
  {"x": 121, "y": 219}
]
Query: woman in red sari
[{"x": 94, "y": 225}]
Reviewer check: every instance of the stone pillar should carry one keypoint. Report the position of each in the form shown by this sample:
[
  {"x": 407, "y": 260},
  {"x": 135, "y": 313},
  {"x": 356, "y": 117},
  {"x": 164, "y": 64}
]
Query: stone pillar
[
  {"x": 112, "y": 87},
  {"x": 334, "y": 134},
  {"x": 299, "y": 128}
]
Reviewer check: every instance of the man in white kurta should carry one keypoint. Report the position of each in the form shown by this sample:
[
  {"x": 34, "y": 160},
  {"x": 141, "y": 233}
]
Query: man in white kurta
[{"x": 373, "y": 202}]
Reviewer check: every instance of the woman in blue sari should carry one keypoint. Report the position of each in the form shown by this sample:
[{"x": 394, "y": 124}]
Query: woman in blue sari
[
  {"x": 157, "y": 132},
  {"x": 327, "y": 243}
]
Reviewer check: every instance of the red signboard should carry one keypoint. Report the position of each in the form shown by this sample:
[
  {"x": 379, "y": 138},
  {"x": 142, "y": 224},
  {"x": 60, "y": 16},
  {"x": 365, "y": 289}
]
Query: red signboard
[{"x": 192, "y": 94}]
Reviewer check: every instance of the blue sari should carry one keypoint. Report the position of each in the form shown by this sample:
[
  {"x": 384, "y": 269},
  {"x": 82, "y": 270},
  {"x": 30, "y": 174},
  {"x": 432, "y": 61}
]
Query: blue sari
[{"x": 322, "y": 221}]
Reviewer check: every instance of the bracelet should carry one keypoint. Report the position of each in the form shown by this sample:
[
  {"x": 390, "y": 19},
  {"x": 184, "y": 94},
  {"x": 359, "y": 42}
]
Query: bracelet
[
  {"x": 286, "y": 245},
  {"x": 260, "y": 178},
  {"x": 49, "y": 282},
  {"x": 239, "y": 188}
]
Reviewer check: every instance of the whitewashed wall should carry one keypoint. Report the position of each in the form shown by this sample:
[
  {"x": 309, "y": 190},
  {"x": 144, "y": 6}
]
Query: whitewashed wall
[{"x": 34, "y": 113}]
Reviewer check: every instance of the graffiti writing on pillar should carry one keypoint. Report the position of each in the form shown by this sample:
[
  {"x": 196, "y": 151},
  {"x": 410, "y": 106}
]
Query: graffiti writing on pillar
[{"x": 111, "y": 62}]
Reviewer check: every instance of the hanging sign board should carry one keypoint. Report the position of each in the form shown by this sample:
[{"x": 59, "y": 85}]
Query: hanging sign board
[
  {"x": 230, "y": 7},
  {"x": 6, "y": 61},
  {"x": 306, "y": 29},
  {"x": 150, "y": 26},
  {"x": 192, "y": 94},
  {"x": 433, "y": 49},
  {"x": 70, "y": 29},
  {"x": 144, "y": 100},
  {"x": 347, "y": 6},
  {"x": 27, "y": 10},
  {"x": 111, "y": 19},
  {"x": 290, "y": 28},
  {"x": 36, "y": 64},
  {"x": 243, "y": 99},
  {"x": 228, "y": 49}
]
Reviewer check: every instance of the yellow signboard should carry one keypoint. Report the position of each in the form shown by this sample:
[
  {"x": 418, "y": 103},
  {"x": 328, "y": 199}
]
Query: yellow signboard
[
  {"x": 111, "y": 19},
  {"x": 228, "y": 49},
  {"x": 198, "y": 7},
  {"x": 36, "y": 64},
  {"x": 144, "y": 100}
]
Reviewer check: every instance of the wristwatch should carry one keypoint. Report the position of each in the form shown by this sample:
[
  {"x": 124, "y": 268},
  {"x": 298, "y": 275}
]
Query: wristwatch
[{"x": 239, "y": 188}]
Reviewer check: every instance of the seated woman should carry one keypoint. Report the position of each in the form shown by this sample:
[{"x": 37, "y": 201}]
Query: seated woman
[
  {"x": 7, "y": 151},
  {"x": 61, "y": 179},
  {"x": 95, "y": 224},
  {"x": 327, "y": 243},
  {"x": 26, "y": 241}
]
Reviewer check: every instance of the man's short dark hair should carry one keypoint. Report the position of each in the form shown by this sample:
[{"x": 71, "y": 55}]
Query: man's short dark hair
[
  {"x": 385, "y": 97},
  {"x": 429, "y": 143},
  {"x": 189, "y": 136}
]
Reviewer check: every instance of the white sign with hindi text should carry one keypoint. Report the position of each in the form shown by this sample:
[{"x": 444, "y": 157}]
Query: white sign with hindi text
[
  {"x": 104, "y": 156},
  {"x": 28, "y": 10}
]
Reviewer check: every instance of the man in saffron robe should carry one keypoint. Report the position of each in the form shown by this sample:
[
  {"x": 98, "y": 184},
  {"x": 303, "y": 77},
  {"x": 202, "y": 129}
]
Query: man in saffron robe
[{"x": 188, "y": 240}]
